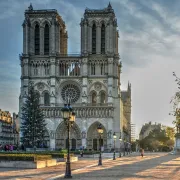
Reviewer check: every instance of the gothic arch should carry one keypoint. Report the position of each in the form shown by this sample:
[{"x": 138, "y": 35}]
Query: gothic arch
[
  {"x": 103, "y": 96},
  {"x": 35, "y": 22},
  {"x": 46, "y": 138},
  {"x": 61, "y": 135},
  {"x": 103, "y": 87},
  {"x": 93, "y": 22},
  {"x": 44, "y": 22},
  {"x": 46, "y": 97},
  {"x": 102, "y": 21},
  {"x": 93, "y": 136}
]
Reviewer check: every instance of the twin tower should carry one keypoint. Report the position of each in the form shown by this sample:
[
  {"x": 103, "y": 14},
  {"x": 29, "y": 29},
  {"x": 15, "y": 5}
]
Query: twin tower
[{"x": 91, "y": 80}]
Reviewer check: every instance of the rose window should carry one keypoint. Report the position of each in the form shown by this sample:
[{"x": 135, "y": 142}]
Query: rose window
[{"x": 70, "y": 93}]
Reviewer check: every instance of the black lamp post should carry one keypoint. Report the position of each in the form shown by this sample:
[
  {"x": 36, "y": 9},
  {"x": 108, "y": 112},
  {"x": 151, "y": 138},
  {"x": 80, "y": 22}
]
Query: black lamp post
[
  {"x": 120, "y": 146},
  {"x": 100, "y": 132},
  {"x": 124, "y": 146},
  {"x": 69, "y": 118},
  {"x": 114, "y": 137}
]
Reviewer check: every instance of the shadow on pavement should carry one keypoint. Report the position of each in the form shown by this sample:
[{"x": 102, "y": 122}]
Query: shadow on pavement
[{"x": 127, "y": 170}]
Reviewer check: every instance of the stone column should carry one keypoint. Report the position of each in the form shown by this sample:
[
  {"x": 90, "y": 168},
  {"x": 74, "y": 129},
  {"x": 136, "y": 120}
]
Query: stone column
[
  {"x": 25, "y": 67},
  {"x": 90, "y": 39},
  {"x": 110, "y": 80},
  {"x": 57, "y": 37},
  {"x": 53, "y": 73},
  {"x": 82, "y": 36},
  {"x": 41, "y": 40},
  {"x": 111, "y": 36},
  {"x": 31, "y": 39},
  {"x": 84, "y": 75},
  {"x": 106, "y": 38},
  {"x": 98, "y": 39},
  {"x": 24, "y": 38},
  {"x": 27, "y": 38},
  {"x": 85, "y": 36},
  {"x": 53, "y": 36}
]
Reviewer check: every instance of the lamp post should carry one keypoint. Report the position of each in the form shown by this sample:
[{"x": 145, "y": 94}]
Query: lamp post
[
  {"x": 120, "y": 146},
  {"x": 69, "y": 118},
  {"x": 114, "y": 137},
  {"x": 124, "y": 146},
  {"x": 100, "y": 132}
]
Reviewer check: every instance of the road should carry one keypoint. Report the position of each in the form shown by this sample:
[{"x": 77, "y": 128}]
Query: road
[{"x": 152, "y": 166}]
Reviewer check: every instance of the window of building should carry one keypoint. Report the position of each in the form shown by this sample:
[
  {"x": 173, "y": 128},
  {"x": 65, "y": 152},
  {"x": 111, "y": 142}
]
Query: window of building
[
  {"x": 94, "y": 98},
  {"x": 94, "y": 39},
  {"x": 93, "y": 69},
  {"x": 46, "y": 69},
  {"x": 35, "y": 70},
  {"x": 37, "y": 39},
  {"x": 46, "y": 99},
  {"x": 103, "y": 39},
  {"x": 102, "y": 97},
  {"x": 46, "y": 39}
]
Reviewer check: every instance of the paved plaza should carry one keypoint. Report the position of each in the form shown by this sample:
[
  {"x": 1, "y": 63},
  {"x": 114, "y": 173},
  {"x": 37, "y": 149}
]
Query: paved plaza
[{"x": 151, "y": 166}]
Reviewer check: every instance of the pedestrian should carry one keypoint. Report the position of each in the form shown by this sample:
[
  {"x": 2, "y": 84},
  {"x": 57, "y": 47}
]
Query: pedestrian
[
  {"x": 142, "y": 152},
  {"x": 81, "y": 152}
]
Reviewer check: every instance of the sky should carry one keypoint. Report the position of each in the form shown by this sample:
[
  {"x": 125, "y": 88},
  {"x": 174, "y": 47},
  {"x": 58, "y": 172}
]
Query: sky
[{"x": 148, "y": 46}]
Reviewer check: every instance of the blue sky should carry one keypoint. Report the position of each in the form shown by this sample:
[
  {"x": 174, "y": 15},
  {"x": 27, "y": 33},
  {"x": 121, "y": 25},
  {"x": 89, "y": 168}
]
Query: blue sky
[{"x": 148, "y": 46}]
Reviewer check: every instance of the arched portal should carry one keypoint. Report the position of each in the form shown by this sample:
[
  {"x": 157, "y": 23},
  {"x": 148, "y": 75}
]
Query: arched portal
[
  {"x": 61, "y": 136},
  {"x": 93, "y": 139},
  {"x": 46, "y": 139}
]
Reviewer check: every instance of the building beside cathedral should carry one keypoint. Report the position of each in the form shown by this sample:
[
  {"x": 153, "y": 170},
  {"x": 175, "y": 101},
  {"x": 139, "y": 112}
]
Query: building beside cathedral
[{"x": 90, "y": 80}]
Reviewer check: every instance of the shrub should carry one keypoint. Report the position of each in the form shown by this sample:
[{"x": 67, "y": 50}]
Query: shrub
[{"x": 23, "y": 157}]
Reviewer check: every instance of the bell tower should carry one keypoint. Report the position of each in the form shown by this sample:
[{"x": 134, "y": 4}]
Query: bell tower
[{"x": 99, "y": 33}]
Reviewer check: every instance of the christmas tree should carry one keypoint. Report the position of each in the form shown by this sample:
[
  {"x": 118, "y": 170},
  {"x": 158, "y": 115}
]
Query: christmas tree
[{"x": 33, "y": 122}]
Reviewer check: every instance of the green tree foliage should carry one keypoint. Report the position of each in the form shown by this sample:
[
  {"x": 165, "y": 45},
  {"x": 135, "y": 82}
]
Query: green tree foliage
[
  {"x": 176, "y": 102},
  {"x": 33, "y": 123},
  {"x": 156, "y": 140},
  {"x": 170, "y": 143}
]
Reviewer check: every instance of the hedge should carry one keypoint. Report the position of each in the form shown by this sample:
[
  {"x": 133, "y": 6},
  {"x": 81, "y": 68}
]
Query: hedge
[{"x": 23, "y": 157}]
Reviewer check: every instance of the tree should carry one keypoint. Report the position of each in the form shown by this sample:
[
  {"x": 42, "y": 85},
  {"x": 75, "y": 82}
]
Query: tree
[
  {"x": 170, "y": 132},
  {"x": 176, "y": 102},
  {"x": 170, "y": 143},
  {"x": 33, "y": 123},
  {"x": 155, "y": 144}
]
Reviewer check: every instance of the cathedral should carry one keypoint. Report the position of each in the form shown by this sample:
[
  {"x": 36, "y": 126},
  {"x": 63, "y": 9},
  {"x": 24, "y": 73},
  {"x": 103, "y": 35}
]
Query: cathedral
[{"x": 90, "y": 80}]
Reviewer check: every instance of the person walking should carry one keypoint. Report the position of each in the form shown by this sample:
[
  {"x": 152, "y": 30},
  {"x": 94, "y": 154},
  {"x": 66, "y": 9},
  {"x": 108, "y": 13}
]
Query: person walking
[{"x": 142, "y": 152}]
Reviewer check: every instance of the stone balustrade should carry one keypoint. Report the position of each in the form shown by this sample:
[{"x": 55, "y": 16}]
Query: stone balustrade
[{"x": 87, "y": 111}]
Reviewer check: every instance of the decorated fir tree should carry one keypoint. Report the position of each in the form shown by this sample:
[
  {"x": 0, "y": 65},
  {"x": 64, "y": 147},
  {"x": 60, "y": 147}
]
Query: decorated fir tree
[{"x": 33, "y": 123}]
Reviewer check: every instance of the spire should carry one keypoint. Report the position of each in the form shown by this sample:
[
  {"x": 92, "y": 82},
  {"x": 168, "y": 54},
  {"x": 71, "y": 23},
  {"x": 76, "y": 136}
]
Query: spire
[
  {"x": 109, "y": 6},
  {"x": 30, "y": 7},
  {"x": 129, "y": 86}
]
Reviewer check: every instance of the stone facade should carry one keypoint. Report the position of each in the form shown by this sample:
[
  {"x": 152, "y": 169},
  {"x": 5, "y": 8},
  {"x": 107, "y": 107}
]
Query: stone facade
[{"x": 91, "y": 80}]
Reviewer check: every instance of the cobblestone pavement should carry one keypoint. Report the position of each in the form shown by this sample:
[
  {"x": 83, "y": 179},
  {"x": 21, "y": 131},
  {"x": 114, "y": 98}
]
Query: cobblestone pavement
[{"x": 151, "y": 166}]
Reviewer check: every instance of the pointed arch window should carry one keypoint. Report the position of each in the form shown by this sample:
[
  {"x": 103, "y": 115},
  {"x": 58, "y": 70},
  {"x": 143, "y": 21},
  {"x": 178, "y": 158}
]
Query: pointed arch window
[
  {"x": 37, "y": 39},
  {"x": 103, "y": 39},
  {"x": 94, "y": 39},
  {"x": 102, "y": 97},
  {"x": 93, "y": 69},
  {"x": 46, "y": 99},
  {"x": 35, "y": 70},
  {"x": 46, "y": 69},
  {"x": 94, "y": 98},
  {"x": 46, "y": 39}
]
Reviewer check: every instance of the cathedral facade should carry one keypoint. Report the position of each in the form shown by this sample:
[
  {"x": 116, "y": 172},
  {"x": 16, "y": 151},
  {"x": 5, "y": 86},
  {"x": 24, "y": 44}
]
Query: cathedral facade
[{"x": 90, "y": 80}]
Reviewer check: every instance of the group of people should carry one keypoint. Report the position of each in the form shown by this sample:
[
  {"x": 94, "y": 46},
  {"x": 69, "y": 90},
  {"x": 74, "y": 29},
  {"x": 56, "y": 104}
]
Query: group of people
[{"x": 6, "y": 147}]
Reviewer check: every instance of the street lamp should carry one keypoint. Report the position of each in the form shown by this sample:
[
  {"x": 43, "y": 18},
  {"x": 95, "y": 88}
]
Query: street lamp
[
  {"x": 124, "y": 146},
  {"x": 100, "y": 132},
  {"x": 120, "y": 145},
  {"x": 114, "y": 137},
  {"x": 69, "y": 118}
]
